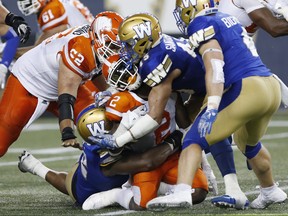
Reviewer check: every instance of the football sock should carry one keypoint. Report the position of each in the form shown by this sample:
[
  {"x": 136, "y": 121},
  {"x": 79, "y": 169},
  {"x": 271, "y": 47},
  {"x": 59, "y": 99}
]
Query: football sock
[
  {"x": 41, "y": 170},
  {"x": 222, "y": 153},
  {"x": 124, "y": 197}
]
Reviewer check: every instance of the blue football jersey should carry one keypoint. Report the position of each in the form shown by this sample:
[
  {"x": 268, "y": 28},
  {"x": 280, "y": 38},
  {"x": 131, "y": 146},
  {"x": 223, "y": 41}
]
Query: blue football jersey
[
  {"x": 89, "y": 177},
  {"x": 240, "y": 55},
  {"x": 170, "y": 54}
]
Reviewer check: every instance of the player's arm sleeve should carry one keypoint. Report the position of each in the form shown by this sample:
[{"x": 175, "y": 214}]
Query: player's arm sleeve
[{"x": 12, "y": 43}]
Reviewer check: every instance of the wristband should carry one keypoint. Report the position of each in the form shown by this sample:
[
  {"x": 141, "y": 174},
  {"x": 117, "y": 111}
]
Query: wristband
[{"x": 67, "y": 133}]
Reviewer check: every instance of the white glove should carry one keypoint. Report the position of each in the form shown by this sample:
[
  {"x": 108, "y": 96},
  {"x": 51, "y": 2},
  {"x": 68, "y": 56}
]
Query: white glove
[
  {"x": 3, "y": 72},
  {"x": 130, "y": 117},
  {"x": 278, "y": 7},
  {"x": 283, "y": 10}
]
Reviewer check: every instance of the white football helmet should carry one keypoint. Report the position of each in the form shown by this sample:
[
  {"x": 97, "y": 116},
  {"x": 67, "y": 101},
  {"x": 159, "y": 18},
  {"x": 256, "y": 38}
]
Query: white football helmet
[
  {"x": 187, "y": 10},
  {"x": 104, "y": 31},
  {"x": 92, "y": 121},
  {"x": 138, "y": 33},
  {"x": 27, "y": 7},
  {"x": 121, "y": 75}
]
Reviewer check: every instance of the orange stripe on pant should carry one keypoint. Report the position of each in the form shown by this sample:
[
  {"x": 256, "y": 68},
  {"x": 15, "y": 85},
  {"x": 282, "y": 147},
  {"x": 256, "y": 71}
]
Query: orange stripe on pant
[{"x": 17, "y": 106}]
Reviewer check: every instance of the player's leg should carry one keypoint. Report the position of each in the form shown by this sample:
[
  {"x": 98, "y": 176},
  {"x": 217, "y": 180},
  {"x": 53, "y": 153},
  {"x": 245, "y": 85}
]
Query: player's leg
[
  {"x": 16, "y": 108},
  {"x": 199, "y": 184},
  {"x": 257, "y": 155},
  {"x": 181, "y": 196},
  {"x": 28, "y": 163}
]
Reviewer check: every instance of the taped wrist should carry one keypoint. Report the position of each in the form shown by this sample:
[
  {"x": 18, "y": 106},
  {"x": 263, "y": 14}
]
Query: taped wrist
[
  {"x": 66, "y": 106},
  {"x": 67, "y": 133}
]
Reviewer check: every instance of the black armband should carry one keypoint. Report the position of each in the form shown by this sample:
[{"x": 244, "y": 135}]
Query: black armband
[
  {"x": 67, "y": 133},
  {"x": 66, "y": 106}
]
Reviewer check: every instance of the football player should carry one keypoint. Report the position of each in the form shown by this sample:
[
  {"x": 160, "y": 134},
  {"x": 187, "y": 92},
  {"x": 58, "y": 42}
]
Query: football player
[
  {"x": 172, "y": 54},
  {"x": 252, "y": 15},
  {"x": 97, "y": 170},
  {"x": 16, "y": 22},
  {"x": 52, "y": 72},
  {"x": 55, "y": 16},
  {"x": 123, "y": 107},
  {"x": 242, "y": 96},
  {"x": 270, "y": 15}
]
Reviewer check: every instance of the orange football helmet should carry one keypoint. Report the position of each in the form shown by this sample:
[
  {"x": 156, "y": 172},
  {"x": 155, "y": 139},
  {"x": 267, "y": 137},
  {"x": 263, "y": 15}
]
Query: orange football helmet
[{"x": 104, "y": 30}]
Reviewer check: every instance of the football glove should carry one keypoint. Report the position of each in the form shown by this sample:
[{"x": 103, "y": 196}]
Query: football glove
[
  {"x": 101, "y": 98},
  {"x": 206, "y": 121},
  {"x": 3, "y": 72},
  {"x": 19, "y": 25},
  {"x": 104, "y": 141}
]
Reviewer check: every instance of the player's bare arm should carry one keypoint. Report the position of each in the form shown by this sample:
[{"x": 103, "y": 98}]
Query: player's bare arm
[
  {"x": 264, "y": 18},
  {"x": 68, "y": 83}
]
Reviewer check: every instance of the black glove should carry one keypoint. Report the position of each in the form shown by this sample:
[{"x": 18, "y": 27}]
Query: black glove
[
  {"x": 174, "y": 139},
  {"x": 19, "y": 25}
]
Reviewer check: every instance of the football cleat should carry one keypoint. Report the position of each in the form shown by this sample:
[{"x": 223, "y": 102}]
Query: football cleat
[
  {"x": 27, "y": 162},
  {"x": 227, "y": 201},
  {"x": 277, "y": 195},
  {"x": 181, "y": 199},
  {"x": 101, "y": 199}
]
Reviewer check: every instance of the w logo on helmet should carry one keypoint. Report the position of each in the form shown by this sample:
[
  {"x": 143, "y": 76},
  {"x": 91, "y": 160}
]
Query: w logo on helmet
[
  {"x": 142, "y": 29},
  {"x": 186, "y": 3},
  {"x": 96, "y": 127}
]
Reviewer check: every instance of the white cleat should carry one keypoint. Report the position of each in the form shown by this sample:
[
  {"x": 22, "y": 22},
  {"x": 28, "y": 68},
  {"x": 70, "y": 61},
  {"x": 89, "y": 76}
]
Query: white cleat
[
  {"x": 27, "y": 162},
  {"x": 266, "y": 199},
  {"x": 174, "y": 200},
  {"x": 101, "y": 199}
]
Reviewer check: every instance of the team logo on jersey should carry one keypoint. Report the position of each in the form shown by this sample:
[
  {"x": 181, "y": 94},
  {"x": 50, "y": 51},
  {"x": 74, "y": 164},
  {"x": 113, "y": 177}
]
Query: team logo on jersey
[
  {"x": 142, "y": 29},
  {"x": 96, "y": 127},
  {"x": 159, "y": 73},
  {"x": 201, "y": 36}
]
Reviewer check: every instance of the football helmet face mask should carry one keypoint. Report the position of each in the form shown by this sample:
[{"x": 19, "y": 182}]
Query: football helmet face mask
[
  {"x": 138, "y": 33},
  {"x": 187, "y": 10},
  {"x": 121, "y": 75},
  {"x": 27, "y": 7},
  {"x": 104, "y": 31},
  {"x": 92, "y": 120}
]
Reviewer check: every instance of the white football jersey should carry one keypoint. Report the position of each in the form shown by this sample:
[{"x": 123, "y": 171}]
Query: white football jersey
[
  {"x": 240, "y": 9},
  {"x": 77, "y": 13},
  {"x": 37, "y": 70}
]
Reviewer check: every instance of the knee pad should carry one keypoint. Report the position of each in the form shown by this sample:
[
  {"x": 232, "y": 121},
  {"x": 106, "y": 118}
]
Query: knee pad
[{"x": 252, "y": 151}]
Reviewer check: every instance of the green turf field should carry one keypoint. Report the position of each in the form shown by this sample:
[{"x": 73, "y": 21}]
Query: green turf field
[{"x": 26, "y": 194}]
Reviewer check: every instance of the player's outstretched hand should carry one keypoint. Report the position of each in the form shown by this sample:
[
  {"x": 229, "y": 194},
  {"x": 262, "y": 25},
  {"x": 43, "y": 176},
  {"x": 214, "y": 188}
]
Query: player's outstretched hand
[
  {"x": 206, "y": 121},
  {"x": 101, "y": 98}
]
